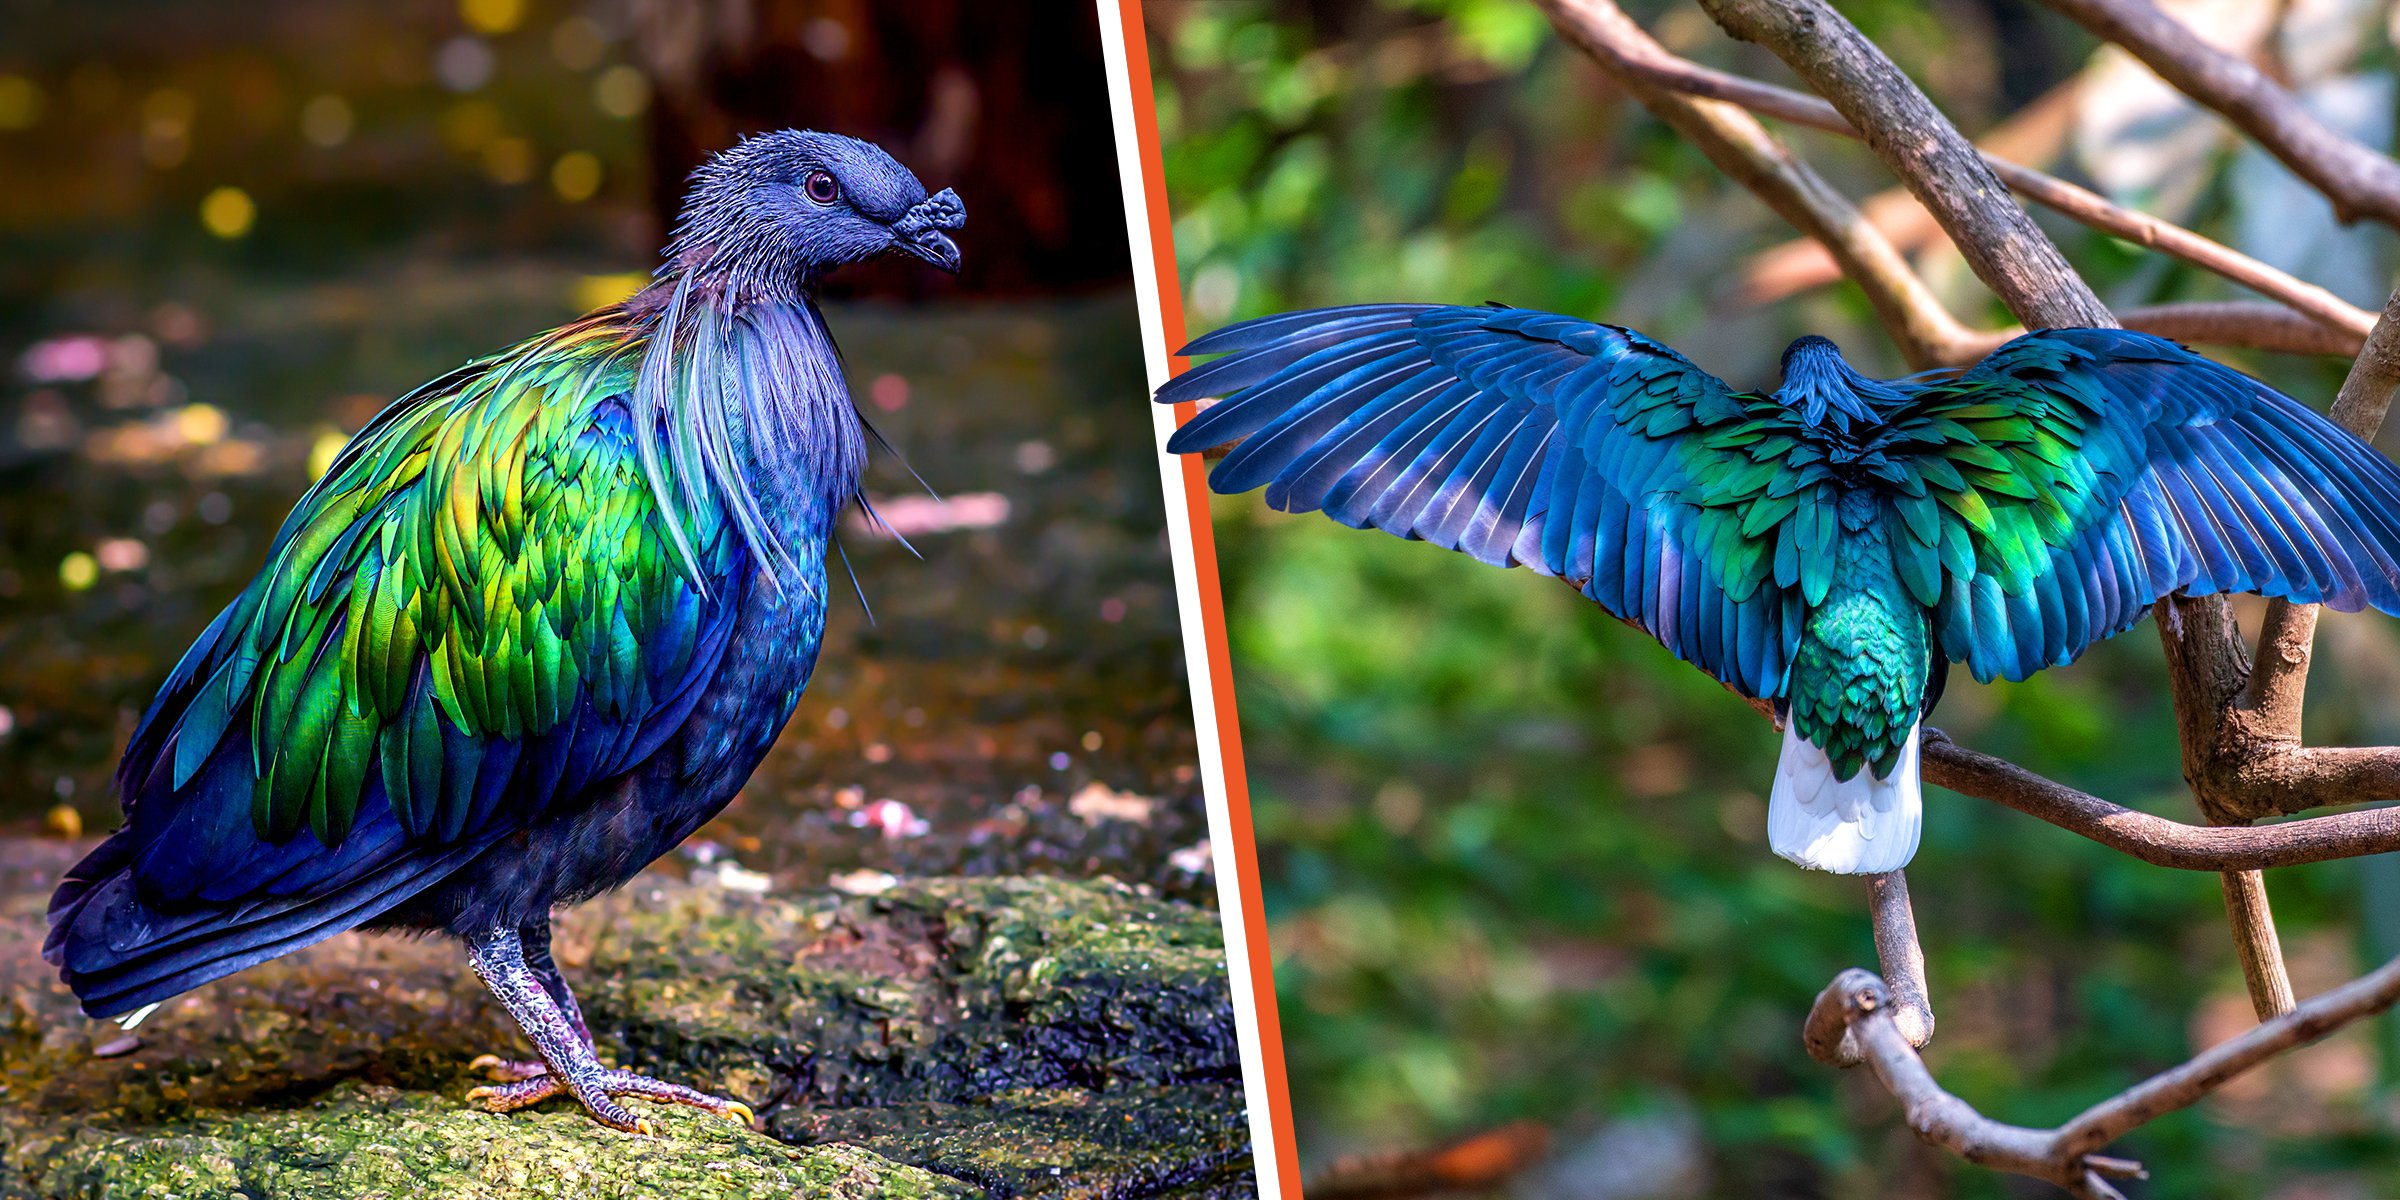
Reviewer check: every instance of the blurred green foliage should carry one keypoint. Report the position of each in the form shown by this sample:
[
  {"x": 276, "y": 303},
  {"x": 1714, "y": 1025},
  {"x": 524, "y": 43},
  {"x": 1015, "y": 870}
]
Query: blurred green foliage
[{"x": 1513, "y": 853}]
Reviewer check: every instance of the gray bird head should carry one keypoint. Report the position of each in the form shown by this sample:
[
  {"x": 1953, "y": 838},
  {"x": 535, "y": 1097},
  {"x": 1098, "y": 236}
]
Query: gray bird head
[{"x": 769, "y": 217}]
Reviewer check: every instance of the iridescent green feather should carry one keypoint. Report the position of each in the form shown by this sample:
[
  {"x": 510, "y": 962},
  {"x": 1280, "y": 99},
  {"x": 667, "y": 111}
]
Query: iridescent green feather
[{"x": 485, "y": 559}]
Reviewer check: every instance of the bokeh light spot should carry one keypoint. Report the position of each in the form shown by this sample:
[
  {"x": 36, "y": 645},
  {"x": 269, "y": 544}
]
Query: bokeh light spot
[
  {"x": 492, "y": 16},
  {"x": 326, "y": 120},
  {"x": 78, "y": 571},
  {"x": 228, "y": 212},
  {"x": 575, "y": 176},
  {"x": 463, "y": 64},
  {"x": 202, "y": 424},
  {"x": 167, "y": 127},
  {"x": 508, "y": 160},
  {"x": 621, "y": 91},
  {"x": 20, "y": 102},
  {"x": 470, "y": 125},
  {"x": 600, "y": 291},
  {"x": 578, "y": 44},
  {"x": 326, "y": 448}
]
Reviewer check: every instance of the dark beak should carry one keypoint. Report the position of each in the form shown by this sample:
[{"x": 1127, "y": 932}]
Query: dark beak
[{"x": 934, "y": 247}]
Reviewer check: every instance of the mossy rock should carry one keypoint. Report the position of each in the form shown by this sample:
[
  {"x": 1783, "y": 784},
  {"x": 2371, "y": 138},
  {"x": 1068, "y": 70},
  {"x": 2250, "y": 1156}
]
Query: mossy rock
[
  {"x": 997, "y": 1037},
  {"x": 937, "y": 990},
  {"x": 360, "y": 1142}
]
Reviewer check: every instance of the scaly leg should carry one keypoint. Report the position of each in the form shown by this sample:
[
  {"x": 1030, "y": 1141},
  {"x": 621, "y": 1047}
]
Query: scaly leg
[
  {"x": 536, "y": 941},
  {"x": 499, "y": 958}
]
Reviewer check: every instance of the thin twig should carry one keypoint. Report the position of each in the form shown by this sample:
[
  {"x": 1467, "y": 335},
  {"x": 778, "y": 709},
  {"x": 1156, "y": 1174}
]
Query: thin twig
[
  {"x": 2032, "y": 133},
  {"x": 2247, "y": 324},
  {"x": 1926, "y": 333},
  {"x": 2359, "y": 181},
  {"x": 1859, "y": 1005},
  {"x": 1903, "y": 962},
  {"x": 1586, "y": 22},
  {"x": 1949, "y": 176},
  {"x": 2252, "y": 922}
]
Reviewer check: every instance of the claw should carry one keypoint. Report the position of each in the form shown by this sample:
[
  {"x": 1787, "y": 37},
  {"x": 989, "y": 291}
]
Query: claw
[
  {"x": 481, "y": 1093},
  {"x": 482, "y": 1062},
  {"x": 643, "y": 1128},
  {"x": 739, "y": 1113}
]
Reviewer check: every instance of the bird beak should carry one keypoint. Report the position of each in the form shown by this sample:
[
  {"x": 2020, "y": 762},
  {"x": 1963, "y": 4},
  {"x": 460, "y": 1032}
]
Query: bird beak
[
  {"x": 920, "y": 231},
  {"x": 934, "y": 247}
]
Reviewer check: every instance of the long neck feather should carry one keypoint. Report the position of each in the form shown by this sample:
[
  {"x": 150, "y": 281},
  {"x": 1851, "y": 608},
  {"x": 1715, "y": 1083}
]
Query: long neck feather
[{"x": 741, "y": 414}]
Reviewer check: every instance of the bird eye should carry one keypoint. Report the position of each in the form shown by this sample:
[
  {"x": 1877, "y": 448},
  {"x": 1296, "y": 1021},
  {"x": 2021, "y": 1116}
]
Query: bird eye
[{"x": 821, "y": 188}]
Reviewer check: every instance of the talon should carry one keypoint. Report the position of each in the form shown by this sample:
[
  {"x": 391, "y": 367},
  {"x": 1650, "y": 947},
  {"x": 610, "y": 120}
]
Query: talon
[
  {"x": 482, "y": 1062},
  {"x": 643, "y": 1128},
  {"x": 481, "y": 1093},
  {"x": 739, "y": 1113}
]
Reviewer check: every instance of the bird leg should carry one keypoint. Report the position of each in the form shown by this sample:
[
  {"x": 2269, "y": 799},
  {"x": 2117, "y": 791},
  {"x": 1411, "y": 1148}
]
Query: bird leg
[
  {"x": 499, "y": 957},
  {"x": 536, "y": 941}
]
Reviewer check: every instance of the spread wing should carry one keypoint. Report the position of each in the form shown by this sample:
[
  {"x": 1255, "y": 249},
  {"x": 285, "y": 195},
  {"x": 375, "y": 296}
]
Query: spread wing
[
  {"x": 2075, "y": 477},
  {"x": 1703, "y": 515},
  {"x": 475, "y": 611}
]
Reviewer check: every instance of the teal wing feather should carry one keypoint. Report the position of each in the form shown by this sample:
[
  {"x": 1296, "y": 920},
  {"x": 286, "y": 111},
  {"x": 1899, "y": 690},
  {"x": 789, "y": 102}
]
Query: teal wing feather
[
  {"x": 477, "y": 605},
  {"x": 1701, "y": 514},
  {"x": 2045, "y": 498}
]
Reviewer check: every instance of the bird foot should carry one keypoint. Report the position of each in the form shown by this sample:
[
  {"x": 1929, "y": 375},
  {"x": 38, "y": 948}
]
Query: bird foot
[
  {"x": 599, "y": 1090},
  {"x": 507, "y": 1070}
]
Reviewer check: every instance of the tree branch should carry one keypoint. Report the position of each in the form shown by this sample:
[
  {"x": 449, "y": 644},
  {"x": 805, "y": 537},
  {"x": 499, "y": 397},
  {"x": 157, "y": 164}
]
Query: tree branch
[
  {"x": 2359, "y": 181},
  {"x": 2249, "y": 324},
  {"x": 2032, "y": 133},
  {"x": 1595, "y": 25},
  {"x": 1858, "y": 1007},
  {"x": 2252, "y": 922},
  {"x": 1903, "y": 960},
  {"x": 2154, "y": 839},
  {"x": 1948, "y": 175},
  {"x": 1926, "y": 333}
]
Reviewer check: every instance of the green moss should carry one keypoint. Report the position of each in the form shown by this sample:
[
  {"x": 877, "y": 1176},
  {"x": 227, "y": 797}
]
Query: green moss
[
  {"x": 362, "y": 1143},
  {"x": 936, "y": 990},
  {"x": 1005, "y": 1036},
  {"x": 1179, "y": 1141}
]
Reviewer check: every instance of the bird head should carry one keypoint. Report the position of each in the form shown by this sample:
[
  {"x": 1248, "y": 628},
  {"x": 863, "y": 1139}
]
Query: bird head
[
  {"x": 1818, "y": 379},
  {"x": 773, "y": 214}
]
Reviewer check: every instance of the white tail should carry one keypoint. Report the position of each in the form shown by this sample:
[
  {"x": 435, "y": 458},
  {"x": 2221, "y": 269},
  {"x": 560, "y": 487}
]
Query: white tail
[{"x": 1857, "y": 826}]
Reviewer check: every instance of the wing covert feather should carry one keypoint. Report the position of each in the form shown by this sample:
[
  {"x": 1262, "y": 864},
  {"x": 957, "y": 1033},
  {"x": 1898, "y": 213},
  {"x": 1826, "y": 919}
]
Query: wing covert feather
[{"x": 1526, "y": 438}]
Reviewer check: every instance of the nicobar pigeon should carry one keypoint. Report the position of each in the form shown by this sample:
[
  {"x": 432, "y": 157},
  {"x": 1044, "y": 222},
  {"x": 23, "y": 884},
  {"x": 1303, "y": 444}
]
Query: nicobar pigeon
[
  {"x": 1831, "y": 546},
  {"x": 538, "y": 623}
]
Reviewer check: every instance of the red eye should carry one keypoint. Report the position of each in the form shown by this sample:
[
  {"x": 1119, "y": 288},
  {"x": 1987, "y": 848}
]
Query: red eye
[{"x": 821, "y": 188}]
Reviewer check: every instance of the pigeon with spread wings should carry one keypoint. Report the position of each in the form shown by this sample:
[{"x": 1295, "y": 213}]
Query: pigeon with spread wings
[{"x": 1831, "y": 546}]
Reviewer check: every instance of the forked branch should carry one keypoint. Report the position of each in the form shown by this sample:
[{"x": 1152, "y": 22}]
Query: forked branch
[
  {"x": 1619, "y": 45},
  {"x": 1926, "y": 333},
  {"x": 1858, "y": 1008}
]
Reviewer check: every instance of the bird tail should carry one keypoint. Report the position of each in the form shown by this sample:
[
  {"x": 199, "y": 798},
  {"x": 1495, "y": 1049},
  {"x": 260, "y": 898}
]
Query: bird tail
[{"x": 1862, "y": 825}]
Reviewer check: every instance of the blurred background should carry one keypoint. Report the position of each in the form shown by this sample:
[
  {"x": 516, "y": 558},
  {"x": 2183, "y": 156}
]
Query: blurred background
[
  {"x": 229, "y": 235},
  {"x": 1514, "y": 853}
]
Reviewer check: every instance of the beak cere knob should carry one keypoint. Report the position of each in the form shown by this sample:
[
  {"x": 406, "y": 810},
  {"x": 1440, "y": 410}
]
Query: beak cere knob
[{"x": 922, "y": 230}]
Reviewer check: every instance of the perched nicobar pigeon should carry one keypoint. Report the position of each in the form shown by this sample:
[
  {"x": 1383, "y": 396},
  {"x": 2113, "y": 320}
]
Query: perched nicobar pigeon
[
  {"x": 538, "y": 623},
  {"x": 1831, "y": 546}
]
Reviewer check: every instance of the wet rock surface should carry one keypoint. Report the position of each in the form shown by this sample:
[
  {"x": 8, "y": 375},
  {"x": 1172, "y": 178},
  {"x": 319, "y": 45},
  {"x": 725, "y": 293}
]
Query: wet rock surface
[{"x": 1004, "y": 1036}]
